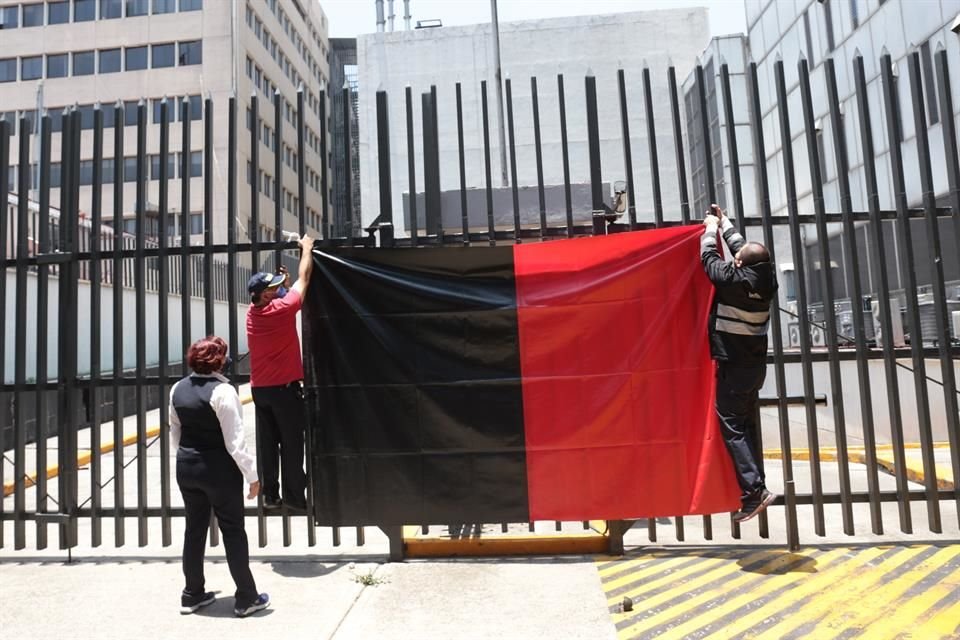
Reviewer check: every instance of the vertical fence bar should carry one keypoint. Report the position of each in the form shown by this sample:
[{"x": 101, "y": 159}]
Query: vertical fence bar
[
  {"x": 119, "y": 527},
  {"x": 43, "y": 305},
  {"x": 652, "y": 147},
  {"x": 936, "y": 262},
  {"x": 678, "y": 146},
  {"x": 186, "y": 288},
  {"x": 760, "y": 155},
  {"x": 383, "y": 167},
  {"x": 208, "y": 217},
  {"x": 711, "y": 186},
  {"x": 853, "y": 269},
  {"x": 512, "y": 147},
  {"x": 949, "y": 128},
  {"x": 68, "y": 328},
  {"x": 813, "y": 440},
  {"x": 253, "y": 229},
  {"x": 4, "y": 199},
  {"x": 491, "y": 231},
  {"x": 565, "y": 154},
  {"x": 141, "y": 319},
  {"x": 307, "y": 337},
  {"x": 627, "y": 152},
  {"x": 411, "y": 168},
  {"x": 538, "y": 150},
  {"x": 277, "y": 145},
  {"x": 431, "y": 168},
  {"x": 163, "y": 333},
  {"x": 94, "y": 410},
  {"x": 593, "y": 146},
  {"x": 464, "y": 216},
  {"x": 889, "y": 358},
  {"x": 232, "y": 228},
  {"x": 436, "y": 187},
  {"x": 829, "y": 313},
  {"x": 20, "y": 344},
  {"x": 347, "y": 182},
  {"x": 734, "y": 158},
  {"x": 908, "y": 277},
  {"x": 324, "y": 196}
]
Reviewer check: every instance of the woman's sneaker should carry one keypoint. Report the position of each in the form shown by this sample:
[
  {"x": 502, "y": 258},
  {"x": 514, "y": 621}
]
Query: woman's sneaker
[
  {"x": 190, "y": 603},
  {"x": 262, "y": 602},
  {"x": 754, "y": 504}
]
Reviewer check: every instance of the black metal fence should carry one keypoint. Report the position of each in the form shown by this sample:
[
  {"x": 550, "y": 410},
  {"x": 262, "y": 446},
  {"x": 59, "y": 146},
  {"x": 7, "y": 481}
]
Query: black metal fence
[{"x": 62, "y": 251}]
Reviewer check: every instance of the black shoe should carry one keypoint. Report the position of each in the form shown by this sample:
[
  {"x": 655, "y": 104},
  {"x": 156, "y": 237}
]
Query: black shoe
[
  {"x": 754, "y": 504},
  {"x": 190, "y": 603},
  {"x": 262, "y": 602},
  {"x": 271, "y": 502}
]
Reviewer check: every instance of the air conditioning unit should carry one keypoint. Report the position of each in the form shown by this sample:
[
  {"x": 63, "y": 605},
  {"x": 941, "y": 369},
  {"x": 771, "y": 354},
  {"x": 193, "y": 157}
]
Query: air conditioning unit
[
  {"x": 817, "y": 336},
  {"x": 896, "y": 323},
  {"x": 793, "y": 335}
]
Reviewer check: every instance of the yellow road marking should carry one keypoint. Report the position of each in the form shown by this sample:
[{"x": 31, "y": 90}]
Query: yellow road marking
[
  {"x": 917, "y": 608},
  {"x": 648, "y": 602},
  {"x": 766, "y": 584},
  {"x": 842, "y": 618},
  {"x": 660, "y": 560},
  {"x": 943, "y": 624},
  {"x": 687, "y": 604},
  {"x": 656, "y": 570},
  {"x": 813, "y": 584},
  {"x": 843, "y": 594}
]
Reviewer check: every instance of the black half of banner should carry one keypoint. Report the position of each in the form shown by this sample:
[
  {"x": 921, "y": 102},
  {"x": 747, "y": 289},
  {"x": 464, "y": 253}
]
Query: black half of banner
[{"x": 414, "y": 387}]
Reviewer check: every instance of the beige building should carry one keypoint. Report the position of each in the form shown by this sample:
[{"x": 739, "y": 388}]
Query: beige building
[{"x": 60, "y": 53}]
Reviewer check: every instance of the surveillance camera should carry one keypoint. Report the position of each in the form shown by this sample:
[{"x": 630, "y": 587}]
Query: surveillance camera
[{"x": 955, "y": 25}]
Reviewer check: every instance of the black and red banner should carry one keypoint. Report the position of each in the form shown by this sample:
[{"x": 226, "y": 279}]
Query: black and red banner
[{"x": 566, "y": 380}]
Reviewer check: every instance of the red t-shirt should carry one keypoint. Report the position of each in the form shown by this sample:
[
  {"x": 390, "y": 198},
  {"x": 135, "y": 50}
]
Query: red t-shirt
[{"x": 273, "y": 341}]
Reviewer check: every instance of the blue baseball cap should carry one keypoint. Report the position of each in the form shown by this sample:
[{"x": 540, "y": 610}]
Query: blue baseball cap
[{"x": 260, "y": 281}]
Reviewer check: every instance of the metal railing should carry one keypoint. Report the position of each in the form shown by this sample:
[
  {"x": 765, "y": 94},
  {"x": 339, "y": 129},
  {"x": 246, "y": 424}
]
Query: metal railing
[{"x": 63, "y": 251}]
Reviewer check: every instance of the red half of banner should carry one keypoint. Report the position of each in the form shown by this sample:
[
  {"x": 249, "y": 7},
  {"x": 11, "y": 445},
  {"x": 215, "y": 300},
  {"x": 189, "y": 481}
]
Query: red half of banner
[{"x": 618, "y": 385}]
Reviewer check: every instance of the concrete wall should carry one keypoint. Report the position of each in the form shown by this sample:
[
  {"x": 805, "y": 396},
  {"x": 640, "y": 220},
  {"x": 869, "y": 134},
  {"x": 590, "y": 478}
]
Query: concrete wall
[
  {"x": 539, "y": 48},
  {"x": 51, "y": 326}
]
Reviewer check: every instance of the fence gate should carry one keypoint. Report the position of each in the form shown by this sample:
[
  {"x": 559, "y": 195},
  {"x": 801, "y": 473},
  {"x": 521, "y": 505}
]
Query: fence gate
[{"x": 102, "y": 275}]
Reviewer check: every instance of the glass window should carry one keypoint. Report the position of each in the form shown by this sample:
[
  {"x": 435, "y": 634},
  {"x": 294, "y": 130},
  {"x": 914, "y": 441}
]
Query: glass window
[
  {"x": 84, "y": 63},
  {"x": 109, "y": 116},
  {"x": 33, "y": 15},
  {"x": 8, "y": 70},
  {"x": 191, "y": 5},
  {"x": 54, "y": 175},
  {"x": 196, "y": 164},
  {"x": 136, "y": 58},
  {"x": 110, "y": 9},
  {"x": 86, "y": 116},
  {"x": 56, "y": 120},
  {"x": 86, "y": 172},
  {"x": 155, "y": 166},
  {"x": 191, "y": 52},
  {"x": 106, "y": 170},
  {"x": 31, "y": 68},
  {"x": 109, "y": 60},
  {"x": 9, "y": 17},
  {"x": 58, "y": 66},
  {"x": 58, "y": 12},
  {"x": 196, "y": 223},
  {"x": 196, "y": 108},
  {"x": 130, "y": 169},
  {"x": 164, "y": 6},
  {"x": 130, "y": 109},
  {"x": 162, "y": 56},
  {"x": 137, "y": 7},
  {"x": 171, "y": 110},
  {"x": 84, "y": 10}
]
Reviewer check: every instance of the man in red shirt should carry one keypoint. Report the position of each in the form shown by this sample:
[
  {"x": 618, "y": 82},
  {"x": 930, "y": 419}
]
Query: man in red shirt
[{"x": 276, "y": 372}]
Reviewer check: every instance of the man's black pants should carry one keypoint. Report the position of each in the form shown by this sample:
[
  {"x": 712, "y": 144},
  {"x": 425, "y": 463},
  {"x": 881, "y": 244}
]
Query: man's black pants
[
  {"x": 738, "y": 405},
  {"x": 211, "y": 480},
  {"x": 280, "y": 424}
]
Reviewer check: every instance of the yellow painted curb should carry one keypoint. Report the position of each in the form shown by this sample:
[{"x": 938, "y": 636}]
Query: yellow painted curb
[
  {"x": 509, "y": 545},
  {"x": 84, "y": 458}
]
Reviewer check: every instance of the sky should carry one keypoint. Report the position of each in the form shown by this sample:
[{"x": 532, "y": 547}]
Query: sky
[{"x": 349, "y": 18}]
